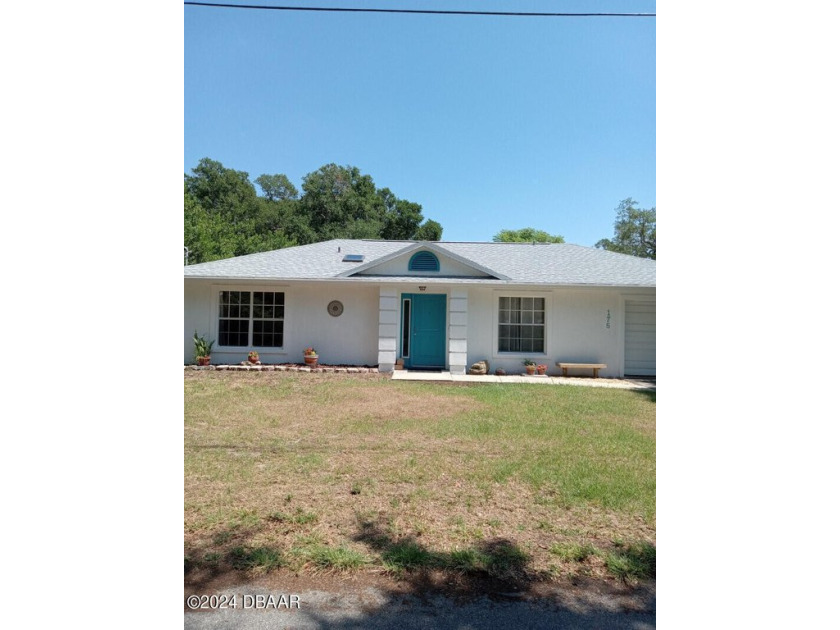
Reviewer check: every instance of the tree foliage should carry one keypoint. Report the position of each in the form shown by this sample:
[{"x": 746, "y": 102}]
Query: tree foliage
[
  {"x": 429, "y": 231},
  {"x": 526, "y": 235},
  {"x": 277, "y": 187},
  {"x": 224, "y": 216},
  {"x": 635, "y": 231},
  {"x": 341, "y": 202}
]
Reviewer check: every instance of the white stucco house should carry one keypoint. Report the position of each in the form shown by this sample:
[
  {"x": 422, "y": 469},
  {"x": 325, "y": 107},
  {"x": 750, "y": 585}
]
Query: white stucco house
[{"x": 436, "y": 305}]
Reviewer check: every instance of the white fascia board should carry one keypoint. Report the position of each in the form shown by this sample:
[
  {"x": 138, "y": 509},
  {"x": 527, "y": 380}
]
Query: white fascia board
[{"x": 420, "y": 280}]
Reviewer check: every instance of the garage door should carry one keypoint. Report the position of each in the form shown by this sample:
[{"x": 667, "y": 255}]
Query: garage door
[{"x": 640, "y": 339}]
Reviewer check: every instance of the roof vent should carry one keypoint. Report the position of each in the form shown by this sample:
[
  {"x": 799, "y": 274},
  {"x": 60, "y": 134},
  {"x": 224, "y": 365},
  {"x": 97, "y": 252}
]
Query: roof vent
[{"x": 353, "y": 258}]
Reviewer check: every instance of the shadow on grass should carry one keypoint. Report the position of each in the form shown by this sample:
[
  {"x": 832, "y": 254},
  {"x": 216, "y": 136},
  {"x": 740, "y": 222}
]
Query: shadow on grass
[
  {"x": 226, "y": 555},
  {"x": 647, "y": 394},
  {"x": 488, "y": 584},
  {"x": 632, "y": 560},
  {"x": 496, "y": 564},
  {"x": 469, "y": 571}
]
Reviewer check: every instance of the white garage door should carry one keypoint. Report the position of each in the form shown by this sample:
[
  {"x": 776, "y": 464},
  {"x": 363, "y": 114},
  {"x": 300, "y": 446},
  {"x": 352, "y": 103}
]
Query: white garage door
[{"x": 640, "y": 339}]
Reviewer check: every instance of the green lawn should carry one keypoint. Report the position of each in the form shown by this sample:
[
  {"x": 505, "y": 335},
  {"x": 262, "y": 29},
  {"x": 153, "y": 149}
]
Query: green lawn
[{"x": 323, "y": 471}]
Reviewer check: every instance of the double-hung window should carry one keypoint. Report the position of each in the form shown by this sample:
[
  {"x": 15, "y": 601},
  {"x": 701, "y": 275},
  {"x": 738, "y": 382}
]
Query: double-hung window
[
  {"x": 251, "y": 318},
  {"x": 522, "y": 324}
]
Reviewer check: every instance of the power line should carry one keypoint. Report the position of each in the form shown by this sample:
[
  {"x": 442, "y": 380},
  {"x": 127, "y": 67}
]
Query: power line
[{"x": 413, "y": 11}]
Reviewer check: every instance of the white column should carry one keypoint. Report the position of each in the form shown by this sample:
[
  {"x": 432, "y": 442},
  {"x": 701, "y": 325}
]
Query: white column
[
  {"x": 388, "y": 328},
  {"x": 458, "y": 331}
]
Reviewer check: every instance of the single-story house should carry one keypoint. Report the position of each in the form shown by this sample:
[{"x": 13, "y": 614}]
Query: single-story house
[{"x": 435, "y": 305}]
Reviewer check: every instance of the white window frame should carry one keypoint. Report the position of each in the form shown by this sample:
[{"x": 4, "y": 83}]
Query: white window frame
[
  {"x": 216, "y": 316},
  {"x": 497, "y": 295}
]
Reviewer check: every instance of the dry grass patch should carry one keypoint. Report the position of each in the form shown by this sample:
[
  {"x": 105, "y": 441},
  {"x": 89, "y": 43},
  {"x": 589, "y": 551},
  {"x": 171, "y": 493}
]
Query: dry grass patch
[
  {"x": 283, "y": 411},
  {"x": 329, "y": 471}
]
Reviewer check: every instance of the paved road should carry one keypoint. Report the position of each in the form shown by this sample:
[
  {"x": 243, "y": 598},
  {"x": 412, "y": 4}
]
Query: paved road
[{"x": 372, "y": 608}]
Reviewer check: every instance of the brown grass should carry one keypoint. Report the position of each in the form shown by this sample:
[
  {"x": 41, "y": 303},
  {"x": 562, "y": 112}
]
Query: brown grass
[{"x": 365, "y": 454}]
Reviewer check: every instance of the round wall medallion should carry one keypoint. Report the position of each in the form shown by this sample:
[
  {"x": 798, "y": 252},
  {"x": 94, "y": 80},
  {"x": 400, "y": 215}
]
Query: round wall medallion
[{"x": 335, "y": 308}]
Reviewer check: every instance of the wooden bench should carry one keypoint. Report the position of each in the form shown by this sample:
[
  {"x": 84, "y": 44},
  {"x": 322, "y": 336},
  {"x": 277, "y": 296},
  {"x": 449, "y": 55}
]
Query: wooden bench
[{"x": 583, "y": 366}]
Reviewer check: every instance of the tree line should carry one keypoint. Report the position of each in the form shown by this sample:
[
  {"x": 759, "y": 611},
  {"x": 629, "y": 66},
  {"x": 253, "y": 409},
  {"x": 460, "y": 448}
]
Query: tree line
[
  {"x": 634, "y": 232},
  {"x": 224, "y": 216}
]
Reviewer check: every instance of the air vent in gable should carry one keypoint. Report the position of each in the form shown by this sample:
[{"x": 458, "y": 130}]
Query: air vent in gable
[{"x": 424, "y": 261}]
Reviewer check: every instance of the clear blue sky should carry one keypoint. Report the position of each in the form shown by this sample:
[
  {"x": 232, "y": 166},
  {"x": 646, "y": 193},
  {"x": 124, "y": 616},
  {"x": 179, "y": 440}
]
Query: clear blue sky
[{"x": 487, "y": 122}]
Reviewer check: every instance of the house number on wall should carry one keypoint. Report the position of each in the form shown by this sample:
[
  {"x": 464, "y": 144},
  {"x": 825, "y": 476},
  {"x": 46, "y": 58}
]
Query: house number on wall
[{"x": 608, "y": 318}]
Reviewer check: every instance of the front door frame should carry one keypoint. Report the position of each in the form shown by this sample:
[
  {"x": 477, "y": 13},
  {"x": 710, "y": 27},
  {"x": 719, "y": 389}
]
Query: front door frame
[{"x": 408, "y": 338}]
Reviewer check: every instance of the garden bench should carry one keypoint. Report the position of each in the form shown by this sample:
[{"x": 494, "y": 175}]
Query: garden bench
[{"x": 583, "y": 366}]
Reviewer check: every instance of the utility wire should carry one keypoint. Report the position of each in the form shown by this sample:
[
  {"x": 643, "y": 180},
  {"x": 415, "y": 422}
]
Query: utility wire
[{"x": 414, "y": 11}]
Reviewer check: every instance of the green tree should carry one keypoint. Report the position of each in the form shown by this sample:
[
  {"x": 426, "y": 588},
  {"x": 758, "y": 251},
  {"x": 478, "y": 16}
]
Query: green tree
[
  {"x": 280, "y": 210},
  {"x": 277, "y": 187},
  {"x": 285, "y": 216},
  {"x": 429, "y": 231},
  {"x": 198, "y": 229},
  {"x": 402, "y": 218},
  {"x": 223, "y": 216},
  {"x": 526, "y": 235},
  {"x": 223, "y": 191},
  {"x": 635, "y": 231},
  {"x": 340, "y": 202}
]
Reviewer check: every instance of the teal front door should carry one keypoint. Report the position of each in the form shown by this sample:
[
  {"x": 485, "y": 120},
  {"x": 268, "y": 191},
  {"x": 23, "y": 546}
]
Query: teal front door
[{"x": 424, "y": 331}]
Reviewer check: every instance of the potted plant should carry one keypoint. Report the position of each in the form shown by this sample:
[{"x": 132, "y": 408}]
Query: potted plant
[
  {"x": 541, "y": 369},
  {"x": 310, "y": 357},
  {"x": 530, "y": 366},
  {"x": 202, "y": 349},
  {"x": 253, "y": 357}
]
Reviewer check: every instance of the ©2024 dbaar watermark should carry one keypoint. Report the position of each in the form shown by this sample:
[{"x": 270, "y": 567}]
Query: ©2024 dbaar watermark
[{"x": 280, "y": 601}]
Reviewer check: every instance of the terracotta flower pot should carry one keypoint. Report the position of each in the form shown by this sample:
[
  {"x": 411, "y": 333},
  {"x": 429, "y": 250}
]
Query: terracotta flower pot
[
  {"x": 531, "y": 369},
  {"x": 204, "y": 360},
  {"x": 253, "y": 359},
  {"x": 311, "y": 360}
]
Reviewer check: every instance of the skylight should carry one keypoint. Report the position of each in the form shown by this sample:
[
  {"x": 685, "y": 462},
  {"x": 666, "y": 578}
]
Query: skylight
[{"x": 353, "y": 258}]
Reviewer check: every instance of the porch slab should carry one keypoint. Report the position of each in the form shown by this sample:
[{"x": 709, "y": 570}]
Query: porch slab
[
  {"x": 406, "y": 375},
  {"x": 614, "y": 383}
]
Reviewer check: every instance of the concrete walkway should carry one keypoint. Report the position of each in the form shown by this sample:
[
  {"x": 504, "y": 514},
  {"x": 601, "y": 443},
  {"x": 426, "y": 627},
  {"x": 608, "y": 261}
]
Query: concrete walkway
[{"x": 616, "y": 383}]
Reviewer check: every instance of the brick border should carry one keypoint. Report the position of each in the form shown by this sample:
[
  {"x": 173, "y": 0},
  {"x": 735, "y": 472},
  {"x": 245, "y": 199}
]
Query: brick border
[{"x": 283, "y": 368}]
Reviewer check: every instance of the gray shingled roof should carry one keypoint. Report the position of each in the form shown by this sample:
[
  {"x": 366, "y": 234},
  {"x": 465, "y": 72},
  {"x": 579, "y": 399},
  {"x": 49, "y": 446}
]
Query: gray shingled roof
[{"x": 523, "y": 263}]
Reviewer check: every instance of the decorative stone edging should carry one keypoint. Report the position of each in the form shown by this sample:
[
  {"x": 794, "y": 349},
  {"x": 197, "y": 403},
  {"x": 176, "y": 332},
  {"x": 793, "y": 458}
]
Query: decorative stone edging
[{"x": 283, "y": 368}]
